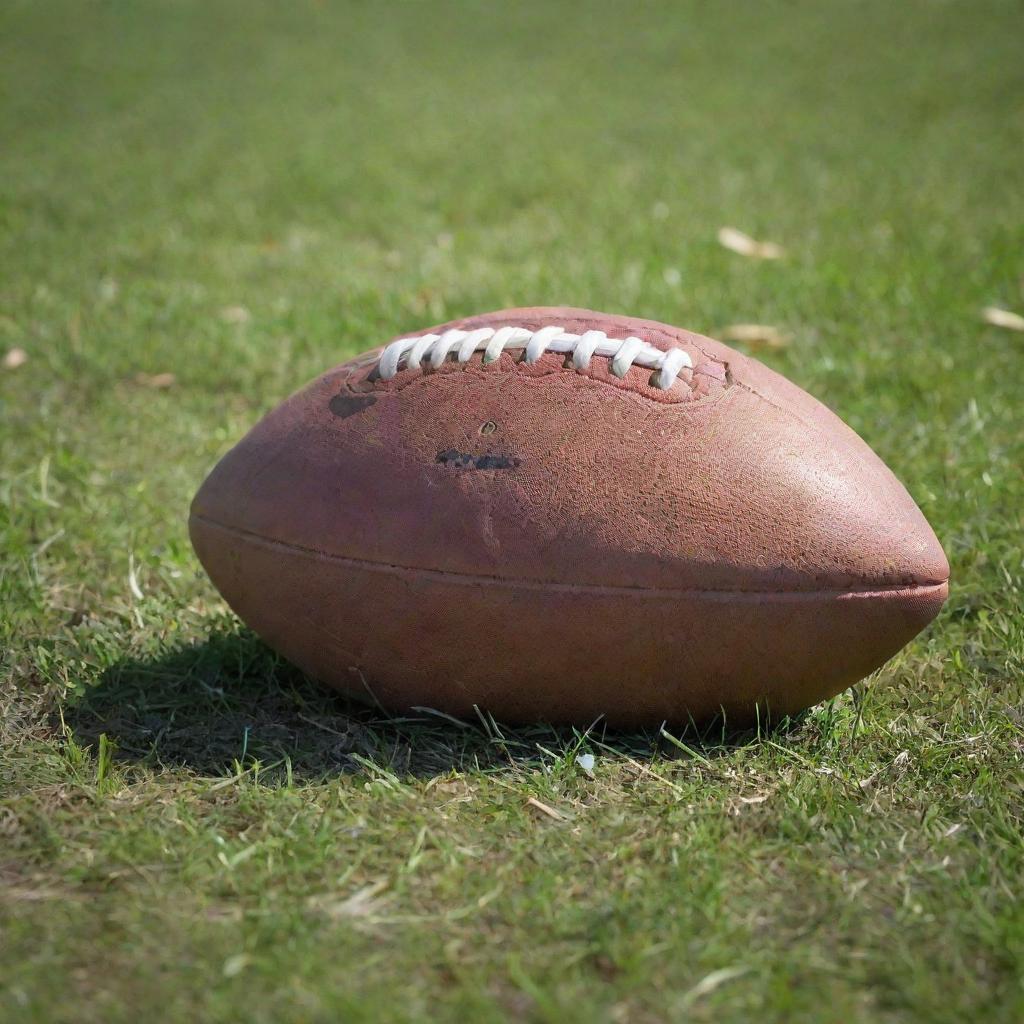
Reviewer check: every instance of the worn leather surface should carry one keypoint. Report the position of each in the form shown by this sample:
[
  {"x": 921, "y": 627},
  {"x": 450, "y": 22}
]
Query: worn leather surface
[{"x": 559, "y": 544}]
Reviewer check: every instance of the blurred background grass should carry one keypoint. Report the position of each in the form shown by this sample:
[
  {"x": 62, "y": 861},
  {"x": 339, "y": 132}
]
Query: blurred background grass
[{"x": 202, "y": 205}]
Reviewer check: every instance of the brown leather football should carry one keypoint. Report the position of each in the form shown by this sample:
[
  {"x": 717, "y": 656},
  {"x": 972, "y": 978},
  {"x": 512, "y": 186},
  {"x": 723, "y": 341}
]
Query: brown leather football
[{"x": 556, "y": 514}]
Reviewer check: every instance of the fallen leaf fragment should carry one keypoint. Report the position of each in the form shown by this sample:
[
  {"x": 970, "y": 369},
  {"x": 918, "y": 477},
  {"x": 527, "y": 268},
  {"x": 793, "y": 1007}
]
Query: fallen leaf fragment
[
  {"x": 755, "y": 335},
  {"x": 14, "y": 358},
  {"x": 235, "y": 315},
  {"x": 156, "y": 380},
  {"x": 1002, "y": 318},
  {"x": 234, "y": 965},
  {"x": 739, "y": 241},
  {"x": 545, "y": 809}
]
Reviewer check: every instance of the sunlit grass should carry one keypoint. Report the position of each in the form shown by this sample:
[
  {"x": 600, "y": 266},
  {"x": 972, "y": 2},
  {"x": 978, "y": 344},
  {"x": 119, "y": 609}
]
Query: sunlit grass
[{"x": 202, "y": 206}]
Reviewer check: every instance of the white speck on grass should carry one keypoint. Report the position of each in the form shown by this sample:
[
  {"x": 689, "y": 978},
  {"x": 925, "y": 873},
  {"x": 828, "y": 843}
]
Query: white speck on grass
[{"x": 586, "y": 763}]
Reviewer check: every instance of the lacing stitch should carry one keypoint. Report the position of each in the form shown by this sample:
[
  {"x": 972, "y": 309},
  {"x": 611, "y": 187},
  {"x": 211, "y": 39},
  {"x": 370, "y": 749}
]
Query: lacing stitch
[{"x": 492, "y": 341}]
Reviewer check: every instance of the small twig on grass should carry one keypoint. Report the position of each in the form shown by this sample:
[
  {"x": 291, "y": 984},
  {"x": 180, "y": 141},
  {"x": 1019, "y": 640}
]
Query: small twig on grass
[{"x": 545, "y": 809}]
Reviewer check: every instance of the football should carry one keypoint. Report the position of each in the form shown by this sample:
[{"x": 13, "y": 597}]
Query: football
[{"x": 554, "y": 514}]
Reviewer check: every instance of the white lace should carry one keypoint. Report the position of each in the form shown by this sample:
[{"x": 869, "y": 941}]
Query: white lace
[{"x": 624, "y": 353}]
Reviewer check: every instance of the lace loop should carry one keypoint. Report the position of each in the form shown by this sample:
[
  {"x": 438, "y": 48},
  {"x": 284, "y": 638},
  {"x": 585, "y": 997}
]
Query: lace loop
[{"x": 624, "y": 353}]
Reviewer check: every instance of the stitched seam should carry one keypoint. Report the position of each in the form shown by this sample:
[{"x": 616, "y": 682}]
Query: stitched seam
[
  {"x": 521, "y": 582},
  {"x": 624, "y": 353},
  {"x": 623, "y": 326},
  {"x": 476, "y": 373}
]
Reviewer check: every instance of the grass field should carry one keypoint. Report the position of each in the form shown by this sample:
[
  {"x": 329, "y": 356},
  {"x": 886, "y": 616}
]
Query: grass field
[{"x": 205, "y": 204}]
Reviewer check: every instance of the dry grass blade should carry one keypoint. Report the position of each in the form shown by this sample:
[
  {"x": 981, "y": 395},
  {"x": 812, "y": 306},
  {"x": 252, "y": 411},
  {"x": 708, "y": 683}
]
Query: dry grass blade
[
  {"x": 637, "y": 766},
  {"x": 1002, "y": 318},
  {"x": 739, "y": 241},
  {"x": 362, "y": 903},
  {"x": 710, "y": 982},
  {"x": 755, "y": 335}
]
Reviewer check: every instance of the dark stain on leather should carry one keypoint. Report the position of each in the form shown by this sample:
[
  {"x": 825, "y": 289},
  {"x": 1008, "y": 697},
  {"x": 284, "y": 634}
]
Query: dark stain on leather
[
  {"x": 348, "y": 405},
  {"x": 462, "y": 460}
]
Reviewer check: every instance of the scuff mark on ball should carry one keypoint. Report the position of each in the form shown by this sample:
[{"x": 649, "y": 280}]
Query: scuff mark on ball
[{"x": 464, "y": 460}]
